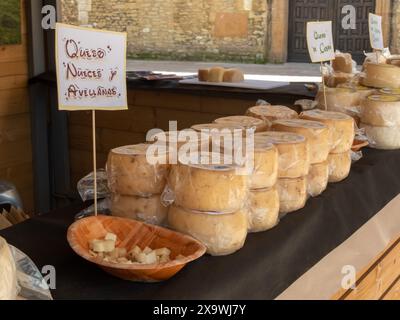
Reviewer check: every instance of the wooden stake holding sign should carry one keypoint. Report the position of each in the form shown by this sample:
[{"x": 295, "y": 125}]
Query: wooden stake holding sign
[
  {"x": 320, "y": 46},
  {"x": 376, "y": 33},
  {"x": 91, "y": 74}
]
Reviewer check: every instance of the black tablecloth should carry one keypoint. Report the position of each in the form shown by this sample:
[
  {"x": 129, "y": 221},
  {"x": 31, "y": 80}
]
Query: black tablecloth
[{"x": 264, "y": 268}]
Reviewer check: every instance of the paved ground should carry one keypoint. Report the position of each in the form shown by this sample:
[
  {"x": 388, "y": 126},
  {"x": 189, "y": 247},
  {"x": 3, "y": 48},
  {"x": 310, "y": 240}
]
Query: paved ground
[{"x": 280, "y": 72}]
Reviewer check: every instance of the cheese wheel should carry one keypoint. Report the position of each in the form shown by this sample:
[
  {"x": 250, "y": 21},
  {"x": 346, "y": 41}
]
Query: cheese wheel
[
  {"x": 339, "y": 100},
  {"x": 363, "y": 92},
  {"x": 381, "y": 76},
  {"x": 271, "y": 113},
  {"x": 343, "y": 62},
  {"x": 217, "y": 188},
  {"x": 374, "y": 58},
  {"x": 317, "y": 134},
  {"x": 381, "y": 110},
  {"x": 149, "y": 210},
  {"x": 292, "y": 194},
  {"x": 233, "y": 75},
  {"x": 293, "y": 153},
  {"x": 337, "y": 78},
  {"x": 341, "y": 128},
  {"x": 384, "y": 138},
  {"x": 263, "y": 212},
  {"x": 8, "y": 273},
  {"x": 203, "y": 74},
  {"x": 266, "y": 164},
  {"x": 222, "y": 234},
  {"x": 339, "y": 166},
  {"x": 130, "y": 171},
  {"x": 216, "y": 74},
  {"x": 317, "y": 179},
  {"x": 244, "y": 121}
]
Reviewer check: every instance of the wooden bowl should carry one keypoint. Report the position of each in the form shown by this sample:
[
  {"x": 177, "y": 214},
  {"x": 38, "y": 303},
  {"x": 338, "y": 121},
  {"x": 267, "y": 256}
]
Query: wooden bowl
[
  {"x": 358, "y": 145},
  {"x": 131, "y": 233}
]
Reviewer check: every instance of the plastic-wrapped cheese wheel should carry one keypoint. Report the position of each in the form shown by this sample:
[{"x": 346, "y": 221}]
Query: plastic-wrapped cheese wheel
[
  {"x": 244, "y": 121},
  {"x": 318, "y": 136},
  {"x": 339, "y": 100},
  {"x": 362, "y": 91},
  {"x": 381, "y": 76},
  {"x": 206, "y": 187},
  {"x": 317, "y": 179},
  {"x": 222, "y": 234},
  {"x": 381, "y": 110},
  {"x": 343, "y": 62},
  {"x": 337, "y": 78},
  {"x": 263, "y": 212},
  {"x": 293, "y": 153},
  {"x": 292, "y": 194},
  {"x": 8, "y": 273},
  {"x": 384, "y": 138},
  {"x": 340, "y": 125},
  {"x": 149, "y": 210},
  {"x": 339, "y": 166},
  {"x": 271, "y": 113},
  {"x": 131, "y": 171},
  {"x": 266, "y": 164}
]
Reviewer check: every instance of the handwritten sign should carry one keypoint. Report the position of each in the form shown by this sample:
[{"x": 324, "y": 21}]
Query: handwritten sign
[
  {"x": 91, "y": 68},
  {"x": 320, "y": 41},
  {"x": 375, "y": 31}
]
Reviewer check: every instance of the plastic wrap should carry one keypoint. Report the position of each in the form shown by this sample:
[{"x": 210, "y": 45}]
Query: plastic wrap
[
  {"x": 381, "y": 110},
  {"x": 244, "y": 121},
  {"x": 271, "y": 113},
  {"x": 8, "y": 274},
  {"x": 363, "y": 92},
  {"x": 341, "y": 128},
  {"x": 376, "y": 57},
  {"x": 317, "y": 134},
  {"x": 261, "y": 102},
  {"x": 384, "y": 138},
  {"x": 381, "y": 76},
  {"x": 86, "y": 186},
  {"x": 317, "y": 179},
  {"x": 343, "y": 62},
  {"x": 103, "y": 206},
  {"x": 337, "y": 78},
  {"x": 339, "y": 100},
  {"x": 263, "y": 212},
  {"x": 149, "y": 210},
  {"x": 222, "y": 234},
  {"x": 293, "y": 153},
  {"x": 131, "y": 172},
  {"x": 306, "y": 104},
  {"x": 339, "y": 166},
  {"x": 209, "y": 187},
  {"x": 292, "y": 194}
]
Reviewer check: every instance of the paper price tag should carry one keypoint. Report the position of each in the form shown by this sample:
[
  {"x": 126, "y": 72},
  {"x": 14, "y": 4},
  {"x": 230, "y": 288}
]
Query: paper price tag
[
  {"x": 375, "y": 31},
  {"x": 320, "y": 41}
]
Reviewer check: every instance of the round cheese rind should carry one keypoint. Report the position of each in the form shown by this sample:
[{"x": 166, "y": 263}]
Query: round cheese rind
[
  {"x": 343, "y": 62},
  {"x": 263, "y": 212},
  {"x": 130, "y": 171},
  {"x": 317, "y": 179},
  {"x": 202, "y": 74},
  {"x": 341, "y": 128},
  {"x": 222, "y": 234},
  {"x": 233, "y": 75},
  {"x": 266, "y": 163},
  {"x": 381, "y": 76},
  {"x": 216, "y": 74},
  {"x": 292, "y": 194},
  {"x": 381, "y": 110},
  {"x": 339, "y": 100},
  {"x": 317, "y": 134},
  {"x": 271, "y": 113},
  {"x": 363, "y": 92},
  {"x": 8, "y": 273},
  {"x": 337, "y": 78},
  {"x": 293, "y": 153},
  {"x": 244, "y": 121},
  {"x": 217, "y": 188},
  {"x": 149, "y": 210},
  {"x": 339, "y": 166},
  {"x": 384, "y": 138}
]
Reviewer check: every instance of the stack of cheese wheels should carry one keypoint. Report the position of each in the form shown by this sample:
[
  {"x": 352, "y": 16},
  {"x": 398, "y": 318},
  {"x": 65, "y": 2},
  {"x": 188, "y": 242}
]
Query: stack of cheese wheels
[
  {"x": 293, "y": 168},
  {"x": 343, "y": 100},
  {"x": 343, "y": 70},
  {"x": 135, "y": 178},
  {"x": 380, "y": 117},
  {"x": 210, "y": 202},
  {"x": 219, "y": 74},
  {"x": 337, "y": 78},
  {"x": 381, "y": 76},
  {"x": 246, "y": 122},
  {"x": 362, "y": 91},
  {"x": 271, "y": 113},
  {"x": 337, "y": 167}
]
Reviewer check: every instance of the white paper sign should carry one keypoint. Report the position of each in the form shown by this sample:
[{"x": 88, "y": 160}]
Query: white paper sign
[
  {"x": 91, "y": 69},
  {"x": 375, "y": 31},
  {"x": 320, "y": 41}
]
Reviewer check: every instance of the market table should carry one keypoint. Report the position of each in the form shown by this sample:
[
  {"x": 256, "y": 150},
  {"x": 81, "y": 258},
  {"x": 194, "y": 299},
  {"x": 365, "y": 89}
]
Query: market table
[{"x": 264, "y": 268}]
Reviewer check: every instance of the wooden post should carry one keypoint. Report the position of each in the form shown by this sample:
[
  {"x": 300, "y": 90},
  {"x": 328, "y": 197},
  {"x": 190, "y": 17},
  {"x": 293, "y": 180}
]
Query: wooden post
[
  {"x": 323, "y": 85},
  {"x": 94, "y": 160}
]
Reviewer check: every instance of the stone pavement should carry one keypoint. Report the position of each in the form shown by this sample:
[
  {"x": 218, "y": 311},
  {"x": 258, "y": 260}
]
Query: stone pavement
[{"x": 302, "y": 72}]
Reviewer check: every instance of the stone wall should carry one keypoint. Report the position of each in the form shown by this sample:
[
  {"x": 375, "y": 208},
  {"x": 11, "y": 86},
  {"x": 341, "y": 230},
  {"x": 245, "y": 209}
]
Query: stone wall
[{"x": 180, "y": 29}]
